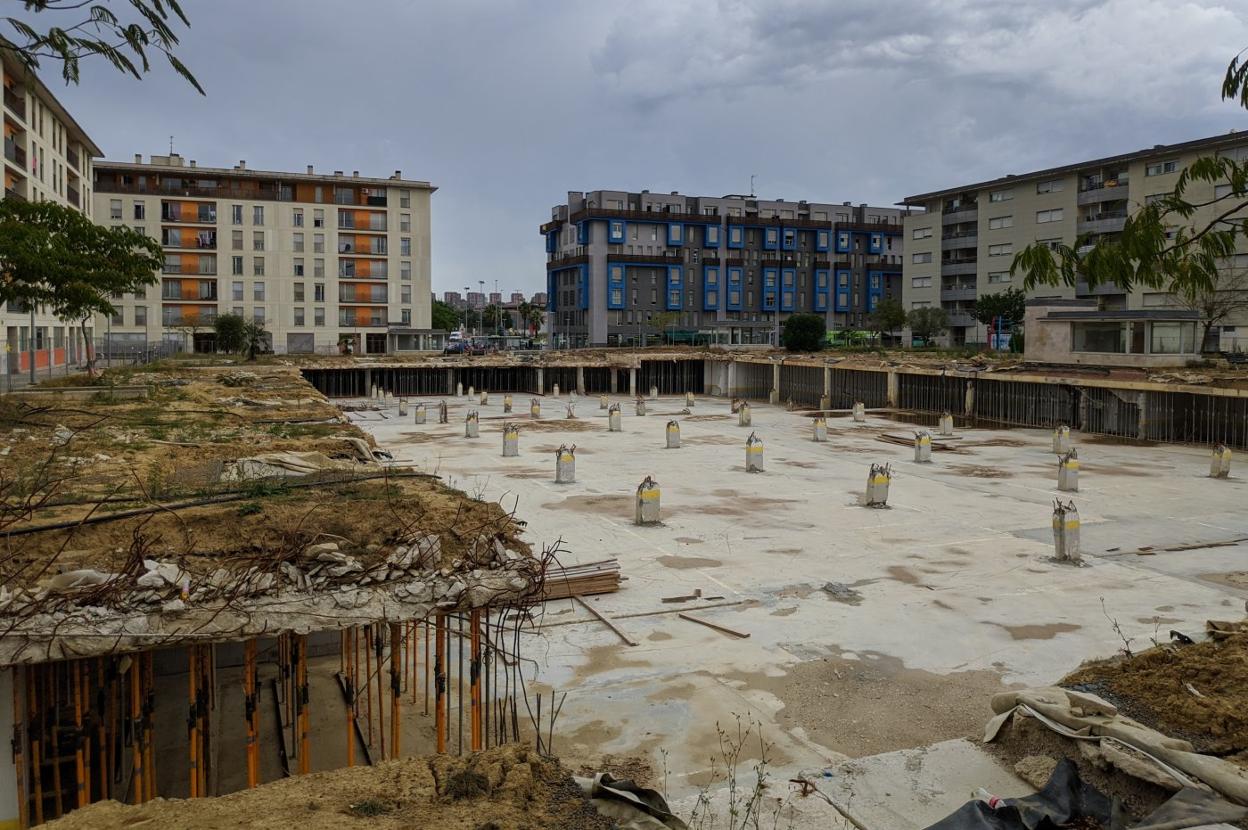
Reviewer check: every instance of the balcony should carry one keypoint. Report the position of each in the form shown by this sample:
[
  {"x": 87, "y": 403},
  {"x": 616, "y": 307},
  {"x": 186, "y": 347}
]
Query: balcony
[
  {"x": 866, "y": 227},
  {"x": 958, "y": 293},
  {"x": 10, "y": 193},
  {"x": 203, "y": 216},
  {"x": 16, "y": 103},
  {"x": 961, "y": 318},
  {"x": 647, "y": 216},
  {"x": 206, "y": 294},
  {"x": 957, "y": 269},
  {"x": 552, "y": 225},
  {"x": 956, "y": 241},
  {"x": 14, "y": 153},
  {"x": 71, "y": 196},
  {"x": 174, "y": 269},
  {"x": 1104, "y": 192},
  {"x": 561, "y": 261},
  {"x": 962, "y": 214},
  {"x": 201, "y": 241},
  {"x": 71, "y": 155},
  {"x": 1103, "y": 223},
  {"x": 646, "y": 259},
  {"x": 352, "y": 249}
]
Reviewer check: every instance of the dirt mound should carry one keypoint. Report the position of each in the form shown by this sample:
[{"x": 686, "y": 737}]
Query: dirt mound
[
  {"x": 506, "y": 788},
  {"x": 1197, "y": 692}
]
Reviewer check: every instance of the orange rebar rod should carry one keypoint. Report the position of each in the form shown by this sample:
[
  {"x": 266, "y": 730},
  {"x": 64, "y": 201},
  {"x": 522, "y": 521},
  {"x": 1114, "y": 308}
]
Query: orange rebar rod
[
  {"x": 475, "y": 674},
  {"x": 251, "y": 712},
  {"x": 427, "y": 665},
  {"x": 84, "y": 670},
  {"x": 439, "y": 683},
  {"x": 80, "y": 778},
  {"x": 368, "y": 680},
  {"x": 305, "y": 760},
  {"x": 396, "y": 685},
  {"x": 136, "y": 709},
  {"x": 381, "y": 692},
  {"x": 413, "y": 649}
]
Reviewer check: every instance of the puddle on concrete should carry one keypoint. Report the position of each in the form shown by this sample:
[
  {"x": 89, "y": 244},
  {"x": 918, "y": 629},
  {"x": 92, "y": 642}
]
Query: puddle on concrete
[
  {"x": 593, "y": 504},
  {"x": 784, "y": 551},
  {"x": 558, "y": 424},
  {"x": 689, "y": 540},
  {"x": 717, "y": 440},
  {"x": 977, "y": 471},
  {"x": 784, "y": 612},
  {"x": 940, "y": 603},
  {"x": 900, "y": 574},
  {"x": 530, "y": 474},
  {"x": 805, "y": 465},
  {"x": 1235, "y": 579},
  {"x": 658, "y": 636},
  {"x": 1158, "y": 620},
  {"x": 610, "y": 657},
  {"x": 1046, "y": 631},
  {"x": 1114, "y": 440},
  {"x": 683, "y": 563},
  {"x": 867, "y": 703},
  {"x": 706, "y": 417}
]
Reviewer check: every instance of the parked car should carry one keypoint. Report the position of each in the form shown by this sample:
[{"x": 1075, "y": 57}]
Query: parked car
[{"x": 454, "y": 347}]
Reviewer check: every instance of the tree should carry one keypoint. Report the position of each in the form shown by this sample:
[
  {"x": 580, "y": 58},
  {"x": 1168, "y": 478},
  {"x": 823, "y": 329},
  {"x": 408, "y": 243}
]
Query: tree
[
  {"x": 230, "y": 330},
  {"x": 889, "y": 315},
  {"x": 928, "y": 323},
  {"x": 490, "y": 317},
  {"x": 255, "y": 338},
  {"x": 1008, "y": 306},
  {"x": 93, "y": 30},
  {"x": 445, "y": 316},
  {"x": 1161, "y": 246},
  {"x": 804, "y": 333},
  {"x": 664, "y": 320},
  {"x": 56, "y": 258},
  {"x": 536, "y": 317},
  {"x": 1225, "y": 300}
]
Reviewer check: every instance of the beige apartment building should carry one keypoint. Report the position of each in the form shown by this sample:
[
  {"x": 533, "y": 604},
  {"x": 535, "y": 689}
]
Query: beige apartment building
[
  {"x": 47, "y": 157},
  {"x": 962, "y": 245},
  {"x": 322, "y": 260}
]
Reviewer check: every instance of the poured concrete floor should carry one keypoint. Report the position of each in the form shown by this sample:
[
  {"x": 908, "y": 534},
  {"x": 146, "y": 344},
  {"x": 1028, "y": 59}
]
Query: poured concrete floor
[{"x": 959, "y": 597}]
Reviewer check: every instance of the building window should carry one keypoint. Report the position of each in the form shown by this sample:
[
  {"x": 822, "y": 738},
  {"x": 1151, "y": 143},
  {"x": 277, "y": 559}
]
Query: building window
[
  {"x": 298, "y": 292},
  {"x": 236, "y": 265},
  {"x": 257, "y": 215},
  {"x": 1050, "y": 186},
  {"x": 299, "y": 317},
  {"x": 236, "y": 240},
  {"x": 1160, "y": 168},
  {"x": 318, "y": 218},
  {"x": 999, "y": 222},
  {"x": 114, "y": 209},
  {"x": 297, "y": 242},
  {"x": 921, "y": 233},
  {"x": 405, "y": 294},
  {"x": 406, "y": 316},
  {"x": 298, "y": 266},
  {"x": 257, "y": 291},
  {"x": 257, "y": 315},
  {"x": 405, "y": 246},
  {"x": 318, "y": 316},
  {"x": 257, "y": 266},
  {"x": 296, "y": 217},
  {"x": 405, "y": 222},
  {"x": 921, "y": 282},
  {"x": 405, "y": 270},
  {"x": 236, "y": 291},
  {"x": 140, "y": 315},
  {"x": 1043, "y": 216},
  {"x": 236, "y": 214},
  {"x": 318, "y": 243},
  {"x": 921, "y": 304},
  {"x": 140, "y": 211},
  {"x": 998, "y": 277},
  {"x": 1000, "y": 195},
  {"x": 318, "y": 268},
  {"x": 1171, "y": 338},
  {"x": 318, "y": 292},
  {"x": 257, "y": 241},
  {"x": 921, "y": 259},
  {"x": 405, "y": 198},
  {"x": 1051, "y": 244},
  {"x": 1004, "y": 249},
  {"x": 1221, "y": 191}
]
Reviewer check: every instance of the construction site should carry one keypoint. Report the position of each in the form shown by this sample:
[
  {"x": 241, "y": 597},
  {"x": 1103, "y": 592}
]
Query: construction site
[{"x": 780, "y": 591}]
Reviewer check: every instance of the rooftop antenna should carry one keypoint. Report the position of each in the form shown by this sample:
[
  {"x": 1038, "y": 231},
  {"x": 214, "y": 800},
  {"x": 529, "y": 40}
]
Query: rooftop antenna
[
  {"x": 751, "y": 181},
  {"x": 171, "y": 145}
]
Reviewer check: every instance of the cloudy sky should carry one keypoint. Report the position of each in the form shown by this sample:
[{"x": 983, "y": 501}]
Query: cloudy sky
[{"x": 508, "y": 104}]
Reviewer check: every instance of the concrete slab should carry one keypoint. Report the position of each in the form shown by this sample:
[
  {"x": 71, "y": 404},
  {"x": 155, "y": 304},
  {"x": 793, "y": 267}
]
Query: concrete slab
[{"x": 958, "y": 596}]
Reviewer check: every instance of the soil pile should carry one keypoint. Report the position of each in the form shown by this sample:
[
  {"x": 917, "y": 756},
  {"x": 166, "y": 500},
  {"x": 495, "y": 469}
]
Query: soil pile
[
  {"x": 1196, "y": 692},
  {"x": 506, "y": 788}
]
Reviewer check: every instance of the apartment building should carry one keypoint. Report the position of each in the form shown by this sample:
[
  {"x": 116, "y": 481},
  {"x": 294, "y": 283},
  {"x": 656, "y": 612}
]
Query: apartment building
[
  {"x": 321, "y": 260},
  {"x": 961, "y": 245},
  {"x": 47, "y": 157},
  {"x": 729, "y": 268}
]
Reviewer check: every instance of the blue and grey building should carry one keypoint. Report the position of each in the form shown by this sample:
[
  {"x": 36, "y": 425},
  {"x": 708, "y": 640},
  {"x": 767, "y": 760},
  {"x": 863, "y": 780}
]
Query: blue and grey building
[{"x": 625, "y": 268}]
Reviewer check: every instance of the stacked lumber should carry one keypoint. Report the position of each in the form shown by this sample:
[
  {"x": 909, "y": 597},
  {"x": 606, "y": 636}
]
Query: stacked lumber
[{"x": 582, "y": 580}]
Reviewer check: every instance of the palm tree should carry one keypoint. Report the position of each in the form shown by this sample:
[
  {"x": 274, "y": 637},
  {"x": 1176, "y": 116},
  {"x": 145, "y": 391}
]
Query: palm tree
[
  {"x": 536, "y": 317},
  {"x": 525, "y": 311}
]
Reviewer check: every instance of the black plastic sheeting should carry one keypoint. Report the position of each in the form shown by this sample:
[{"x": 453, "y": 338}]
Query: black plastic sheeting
[{"x": 1067, "y": 798}]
